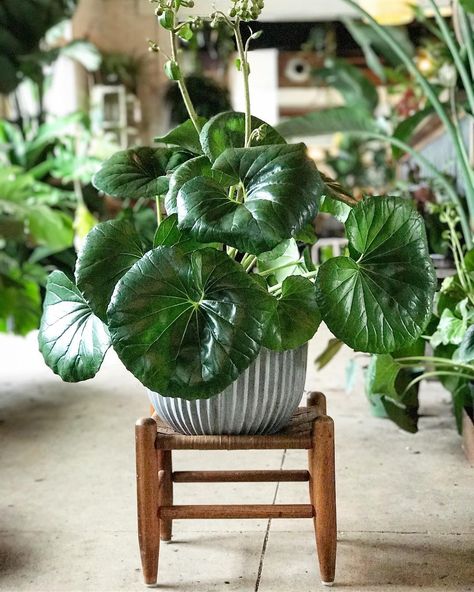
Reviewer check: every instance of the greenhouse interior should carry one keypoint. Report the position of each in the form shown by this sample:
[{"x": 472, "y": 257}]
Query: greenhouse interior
[{"x": 236, "y": 295}]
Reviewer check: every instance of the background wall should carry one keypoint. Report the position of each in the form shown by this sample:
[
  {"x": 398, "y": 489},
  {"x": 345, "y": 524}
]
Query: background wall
[{"x": 125, "y": 27}]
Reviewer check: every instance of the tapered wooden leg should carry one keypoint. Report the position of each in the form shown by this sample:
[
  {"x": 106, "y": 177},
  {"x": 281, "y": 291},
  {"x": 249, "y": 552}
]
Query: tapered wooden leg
[
  {"x": 147, "y": 498},
  {"x": 323, "y": 496},
  {"x": 165, "y": 498},
  {"x": 317, "y": 400}
]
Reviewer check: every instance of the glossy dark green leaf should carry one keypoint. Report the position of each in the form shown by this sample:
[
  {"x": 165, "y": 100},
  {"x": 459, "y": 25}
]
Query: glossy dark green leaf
[
  {"x": 379, "y": 299},
  {"x": 186, "y": 325},
  {"x": 169, "y": 235},
  {"x": 296, "y": 318},
  {"x": 227, "y": 130},
  {"x": 282, "y": 192},
  {"x": 71, "y": 338},
  {"x": 196, "y": 167},
  {"x": 335, "y": 208},
  {"x": 184, "y": 136},
  {"x": 109, "y": 250},
  {"x": 138, "y": 172}
]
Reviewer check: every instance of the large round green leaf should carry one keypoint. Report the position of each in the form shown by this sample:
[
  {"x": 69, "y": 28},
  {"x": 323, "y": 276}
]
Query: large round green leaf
[
  {"x": 379, "y": 299},
  {"x": 282, "y": 189},
  {"x": 296, "y": 318},
  {"x": 184, "y": 135},
  {"x": 71, "y": 338},
  {"x": 138, "y": 172},
  {"x": 186, "y": 325},
  {"x": 169, "y": 235},
  {"x": 109, "y": 250},
  {"x": 196, "y": 167},
  {"x": 227, "y": 130}
]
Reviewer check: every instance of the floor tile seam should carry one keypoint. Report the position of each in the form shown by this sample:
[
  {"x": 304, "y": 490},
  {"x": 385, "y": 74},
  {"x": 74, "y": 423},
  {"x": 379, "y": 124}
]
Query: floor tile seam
[{"x": 267, "y": 530}]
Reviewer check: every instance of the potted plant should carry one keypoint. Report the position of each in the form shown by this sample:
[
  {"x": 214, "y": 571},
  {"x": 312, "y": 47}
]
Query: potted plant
[
  {"x": 445, "y": 100},
  {"x": 215, "y": 317}
]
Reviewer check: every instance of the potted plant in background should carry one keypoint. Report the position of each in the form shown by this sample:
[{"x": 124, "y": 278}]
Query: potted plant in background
[
  {"x": 446, "y": 97},
  {"x": 215, "y": 317}
]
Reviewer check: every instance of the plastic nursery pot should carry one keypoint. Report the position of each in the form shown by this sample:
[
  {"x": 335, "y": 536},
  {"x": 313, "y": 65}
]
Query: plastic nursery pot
[{"x": 261, "y": 400}]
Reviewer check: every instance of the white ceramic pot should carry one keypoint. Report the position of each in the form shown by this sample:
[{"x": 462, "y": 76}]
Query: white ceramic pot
[{"x": 261, "y": 400}]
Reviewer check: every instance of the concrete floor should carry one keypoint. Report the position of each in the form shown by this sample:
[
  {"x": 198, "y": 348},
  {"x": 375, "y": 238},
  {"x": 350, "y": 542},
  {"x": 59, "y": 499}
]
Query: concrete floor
[{"x": 67, "y": 498}]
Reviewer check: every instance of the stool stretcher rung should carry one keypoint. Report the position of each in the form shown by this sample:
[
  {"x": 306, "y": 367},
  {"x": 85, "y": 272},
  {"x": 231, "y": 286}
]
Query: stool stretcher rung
[
  {"x": 238, "y": 476},
  {"x": 237, "y": 511}
]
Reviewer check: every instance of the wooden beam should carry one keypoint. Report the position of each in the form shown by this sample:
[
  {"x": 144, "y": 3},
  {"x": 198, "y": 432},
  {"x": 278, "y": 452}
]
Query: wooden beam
[
  {"x": 238, "y": 511},
  {"x": 238, "y": 476}
]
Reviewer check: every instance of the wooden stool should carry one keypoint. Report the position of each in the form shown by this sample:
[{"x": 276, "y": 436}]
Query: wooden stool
[{"x": 310, "y": 428}]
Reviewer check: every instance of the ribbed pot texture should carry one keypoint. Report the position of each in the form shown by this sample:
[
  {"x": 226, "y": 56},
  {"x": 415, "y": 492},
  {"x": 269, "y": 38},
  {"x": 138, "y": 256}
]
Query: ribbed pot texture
[{"x": 261, "y": 400}]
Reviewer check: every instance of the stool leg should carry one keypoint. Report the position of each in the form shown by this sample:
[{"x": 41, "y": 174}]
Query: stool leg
[
  {"x": 147, "y": 498},
  {"x": 165, "y": 468},
  {"x": 318, "y": 400},
  {"x": 323, "y": 496}
]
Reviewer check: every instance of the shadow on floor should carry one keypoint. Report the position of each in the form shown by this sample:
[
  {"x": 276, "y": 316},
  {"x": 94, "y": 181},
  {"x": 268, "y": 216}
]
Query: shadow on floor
[
  {"x": 413, "y": 560},
  {"x": 13, "y": 557}
]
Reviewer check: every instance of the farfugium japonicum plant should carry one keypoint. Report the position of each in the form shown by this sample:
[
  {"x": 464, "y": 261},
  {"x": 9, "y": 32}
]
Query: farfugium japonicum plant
[{"x": 225, "y": 277}]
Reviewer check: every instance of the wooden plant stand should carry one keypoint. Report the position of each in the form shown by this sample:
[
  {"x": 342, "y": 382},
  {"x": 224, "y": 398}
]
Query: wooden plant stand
[{"x": 310, "y": 428}]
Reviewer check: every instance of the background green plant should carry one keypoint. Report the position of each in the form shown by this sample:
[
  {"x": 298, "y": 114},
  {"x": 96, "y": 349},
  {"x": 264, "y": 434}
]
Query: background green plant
[{"x": 450, "y": 328}]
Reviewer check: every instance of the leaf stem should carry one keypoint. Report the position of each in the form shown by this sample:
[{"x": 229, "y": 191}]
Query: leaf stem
[
  {"x": 250, "y": 263},
  {"x": 158, "y": 211},
  {"x": 245, "y": 259},
  {"x": 414, "y": 360},
  {"x": 244, "y": 65},
  {"x": 277, "y": 287},
  {"x": 232, "y": 252},
  {"x": 273, "y": 269},
  {"x": 434, "y": 374},
  {"x": 181, "y": 83}
]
